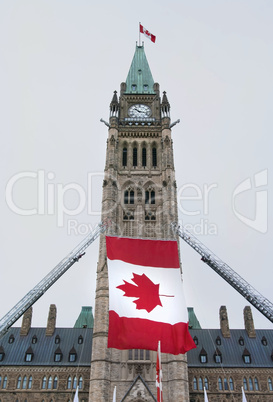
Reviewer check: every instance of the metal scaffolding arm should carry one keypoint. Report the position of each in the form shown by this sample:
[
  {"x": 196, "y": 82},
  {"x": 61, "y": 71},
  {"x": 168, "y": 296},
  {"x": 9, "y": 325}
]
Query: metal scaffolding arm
[
  {"x": 33, "y": 295},
  {"x": 235, "y": 280}
]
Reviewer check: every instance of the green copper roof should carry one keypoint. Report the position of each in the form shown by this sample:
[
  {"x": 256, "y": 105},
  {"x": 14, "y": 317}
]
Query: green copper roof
[
  {"x": 193, "y": 321},
  {"x": 139, "y": 79},
  {"x": 85, "y": 319}
]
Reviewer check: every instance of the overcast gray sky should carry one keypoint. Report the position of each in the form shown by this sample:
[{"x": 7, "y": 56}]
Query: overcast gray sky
[{"x": 60, "y": 62}]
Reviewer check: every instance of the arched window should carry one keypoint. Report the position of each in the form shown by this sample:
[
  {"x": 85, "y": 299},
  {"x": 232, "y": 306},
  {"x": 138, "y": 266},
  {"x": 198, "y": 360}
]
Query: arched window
[
  {"x": 134, "y": 156},
  {"x": 154, "y": 157},
  {"x": 75, "y": 382},
  {"x": 200, "y": 384},
  {"x": 80, "y": 382},
  {"x": 225, "y": 384},
  {"x": 69, "y": 382},
  {"x": 269, "y": 381},
  {"x": 124, "y": 156},
  {"x": 0, "y": 381},
  {"x": 250, "y": 382},
  {"x": 256, "y": 384},
  {"x": 19, "y": 382},
  {"x": 220, "y": 384},
  {"x": 231, "y": 385},
  {"x": 24, "y": 382},
  {"x": 206, "y": 383},
  {"x": 55, "y": 382},
  {"x": 5, "y": 382},
  {"x": 29, "y": 382},
  {"x": 144, "y": 157},
  {"x": 194, "y": 383},
  {"x": 44, "y": 383},
  {"x": 245, "y": 384},
  {"x": 49, "y": 384}
]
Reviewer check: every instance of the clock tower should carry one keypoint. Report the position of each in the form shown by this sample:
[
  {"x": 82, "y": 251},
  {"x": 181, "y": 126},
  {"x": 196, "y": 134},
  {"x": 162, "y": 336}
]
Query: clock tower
[{"x": 139, "y": 197}]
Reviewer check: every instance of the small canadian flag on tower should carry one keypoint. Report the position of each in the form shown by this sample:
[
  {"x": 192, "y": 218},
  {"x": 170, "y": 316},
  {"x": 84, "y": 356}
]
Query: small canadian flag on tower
[{"x": 146, "y": 33}]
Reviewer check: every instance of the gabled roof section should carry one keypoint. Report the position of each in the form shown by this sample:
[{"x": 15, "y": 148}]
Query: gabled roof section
[{"x": 139, "y": 79}]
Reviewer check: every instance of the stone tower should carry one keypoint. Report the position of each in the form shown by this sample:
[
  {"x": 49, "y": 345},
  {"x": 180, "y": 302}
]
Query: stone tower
[{"x": 139, "y": 196}]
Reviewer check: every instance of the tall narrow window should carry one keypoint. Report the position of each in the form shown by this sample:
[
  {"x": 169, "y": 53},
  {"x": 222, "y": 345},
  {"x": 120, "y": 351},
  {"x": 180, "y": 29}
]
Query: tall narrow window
[
  {"x": 19, "y": 382},
  {"x": 0, "y": 381},
  {"x": 124, "y": 157},
  {"x": 144, "y": 157},
  {"x": 245, "y": 384},
  {"x": 29, "y": 382},
  {"x": 225, "y": 384},
  {"x": 126, "y": 194},
  {"x": 55, "y": 382},
  {"x": 256, "y": 384},
  {"x": 147, "y": 355},
  {"x": 220, "y": 384},
  {"x": 200, "y": 384},
  {"x": 154, "y": 157},
  {"x": 49, "y": 384},
  {"x": 69, "y": 382},
  {"x": 231, "y": 385},
  {"x": 132, "y": 194},
  {"x": 250, "y": 382},
  {"x": 80, "y": 382},
  {"x": 269, "y": 381},
  {"x": 206, "y": 383},
  {"x": 135, "y": 157},
  {"x": 147, "y": 197},
  {"x": 44, "y": 383},
  {"x": 75, "y": 382},
  {"x": 24, "y": 382},
  {"x": 152, "y": 197},
  {"x": 5, "y": 382},
  {"x": 195, "y": 383}
]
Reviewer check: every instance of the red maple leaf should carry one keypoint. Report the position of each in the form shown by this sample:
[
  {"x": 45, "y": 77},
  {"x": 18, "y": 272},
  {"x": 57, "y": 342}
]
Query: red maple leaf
[{"x": 145, "y": 290}]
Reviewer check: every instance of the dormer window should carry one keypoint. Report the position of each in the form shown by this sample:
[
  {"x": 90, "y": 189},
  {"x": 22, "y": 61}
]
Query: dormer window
[
  {"x": 58, "y": 355},
  {"x": 241, "y": 341},
  {"x": 145, "y": 87},
  {"x": 11, "y": 338},
  {"x": 195, "y": 340},
  {"x": 203, "y": 356},
  {"x": 72, "y": 355},
  {"x": 34, "y": 339},
  {"x": 218, "y": 340},
  {"x": 217, "y": 356},
  {"x": 264, "y": 341},
  {"x": 2, "y": 353},
  {"x": 134, "y": 87},
  {"x": 29, "y": 355},
  {"x": 80, "y": 340},
  {"x": 246, "y": 357},
  {"x": 57, "y": 339}
]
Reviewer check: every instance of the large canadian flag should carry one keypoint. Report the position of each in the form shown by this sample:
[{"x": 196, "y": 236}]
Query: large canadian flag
[
  {"x": 147, "y": 33},
  {"x": 146, "y": 300}
]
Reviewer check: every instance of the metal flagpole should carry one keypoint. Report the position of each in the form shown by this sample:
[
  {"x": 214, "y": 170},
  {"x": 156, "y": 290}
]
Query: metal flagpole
[{"x": 139, "y": 35}]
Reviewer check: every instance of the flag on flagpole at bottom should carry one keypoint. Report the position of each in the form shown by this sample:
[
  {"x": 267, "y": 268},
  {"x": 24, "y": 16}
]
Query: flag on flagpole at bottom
[
  {"x": 76, "y": 397},
  {"x": 159, "y": 375},
  {"x": 146, "y": 300},
  {"x": 244, "y": 397},
  {"x": 147, "y": 33},
  {"x": 115, "y": 394},
  {"x": 205, "y": 395}
]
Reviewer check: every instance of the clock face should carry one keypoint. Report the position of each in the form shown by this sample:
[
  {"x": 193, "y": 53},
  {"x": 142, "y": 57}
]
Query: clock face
[{"x": 139, "y": 111}]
